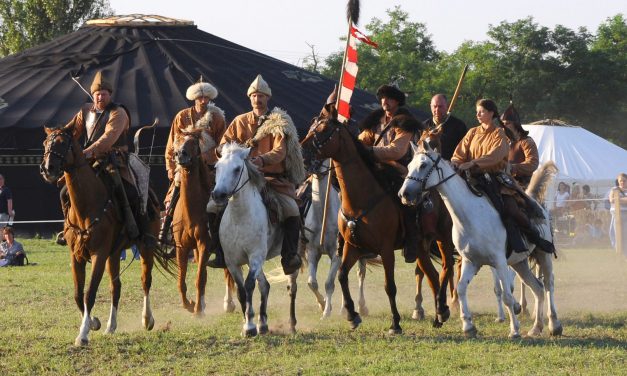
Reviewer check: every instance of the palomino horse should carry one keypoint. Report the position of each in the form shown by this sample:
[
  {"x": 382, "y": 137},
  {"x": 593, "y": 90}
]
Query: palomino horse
[
  {"x": 189, "y": 225},
  {"x": 371, "y": 219},
  {"x": 480, "y": 238},
  {"x": 246, "y": 234},
  {"x": 94, "y": 230},
  {"x": 310, "y": 242}
]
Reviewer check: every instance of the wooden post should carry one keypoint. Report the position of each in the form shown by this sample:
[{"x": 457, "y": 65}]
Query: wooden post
[{"x": 618, "y": 223}]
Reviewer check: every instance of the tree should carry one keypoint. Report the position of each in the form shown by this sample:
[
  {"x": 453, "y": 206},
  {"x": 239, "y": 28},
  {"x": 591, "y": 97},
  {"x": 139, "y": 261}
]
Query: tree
[{"x": 27, "y": 23}]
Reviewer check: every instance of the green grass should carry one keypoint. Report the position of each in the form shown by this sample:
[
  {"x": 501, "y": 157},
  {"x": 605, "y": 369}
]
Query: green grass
[{"x": 39, "y": 321}]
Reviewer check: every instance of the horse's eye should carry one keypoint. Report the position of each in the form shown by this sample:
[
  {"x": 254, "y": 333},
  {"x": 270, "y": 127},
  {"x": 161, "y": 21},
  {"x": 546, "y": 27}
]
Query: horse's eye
[{"x": 237, "y": 170}]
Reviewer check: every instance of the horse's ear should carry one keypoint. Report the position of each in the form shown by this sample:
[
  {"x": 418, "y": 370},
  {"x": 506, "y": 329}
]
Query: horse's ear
[
  {"x": 69, "y": 127},
  {"x": 426, "y": 146},
  {"x": 48, "y": 130},
  {"x": 414, "y": 147},
  {"x": 247, "y": 152}
]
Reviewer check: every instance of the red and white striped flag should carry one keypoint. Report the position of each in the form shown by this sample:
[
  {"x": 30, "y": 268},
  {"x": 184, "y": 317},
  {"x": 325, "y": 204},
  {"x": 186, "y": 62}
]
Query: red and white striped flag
[{"x": 349, "y": 74}]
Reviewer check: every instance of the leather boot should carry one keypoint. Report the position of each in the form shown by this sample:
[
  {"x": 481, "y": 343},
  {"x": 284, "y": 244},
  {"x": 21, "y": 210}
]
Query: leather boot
[
  {"x": 290, "y": 260},
  {"x": 149, "y": 240},
  {"x": 215, "y": 246},
  {"x": 410, "y": 248},
  {"x": 169, "y": 214},
  {"x": 65, "y": 206}
]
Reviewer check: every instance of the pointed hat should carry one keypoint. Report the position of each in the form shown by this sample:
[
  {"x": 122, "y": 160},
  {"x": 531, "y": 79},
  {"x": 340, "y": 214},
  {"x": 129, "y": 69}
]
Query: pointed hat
[
  {"x": 100, "y": 83},
  {"x": 259, "y": 85}
]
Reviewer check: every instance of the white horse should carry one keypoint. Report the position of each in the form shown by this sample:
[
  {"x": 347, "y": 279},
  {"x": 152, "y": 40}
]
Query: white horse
[
  {"x": 246, "y": 234},
  {"x": 313, "y": 251},
  {"x": 480, "y": 238}
]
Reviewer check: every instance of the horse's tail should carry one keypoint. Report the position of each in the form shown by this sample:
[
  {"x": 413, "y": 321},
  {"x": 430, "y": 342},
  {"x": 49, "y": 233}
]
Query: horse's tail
[
  {"x": 540, "y": 181},
  {"x": 166, "y": 263},
  {"x": 375, "y": 261}
]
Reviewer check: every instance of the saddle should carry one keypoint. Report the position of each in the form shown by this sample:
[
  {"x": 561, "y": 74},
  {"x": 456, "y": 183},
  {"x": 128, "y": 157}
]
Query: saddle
[{"x": 272, "y": 206}]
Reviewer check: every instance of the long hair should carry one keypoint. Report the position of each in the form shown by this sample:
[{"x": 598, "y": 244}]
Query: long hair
[{"x": 490, "y": 105}]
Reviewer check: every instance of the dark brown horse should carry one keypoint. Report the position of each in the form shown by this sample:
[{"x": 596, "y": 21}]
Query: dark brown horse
[
  {"x": 94, "y": 230},
  {"x": 370, "y": 218},
  {"x": 189, "y": 225}
]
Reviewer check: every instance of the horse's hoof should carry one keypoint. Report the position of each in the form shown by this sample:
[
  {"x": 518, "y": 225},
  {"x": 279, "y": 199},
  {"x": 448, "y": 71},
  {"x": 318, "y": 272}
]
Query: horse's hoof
[
  {"x": 80, "y": 342},
  {"x": 557, "y": 331},
  {"x": 263, "y": 329},
  {"x": 471, "y": 333},
  {"x": 199, "y": 314},
  {"x": 418, "y": 315},
  {"x": 363, "y": 310},
  {"x": 499, "y": 319},
  {"x": 437, "y": 323},
  {"x": 355, "y": 322},
  {"x": 444, "y": 316},
  {"x": 252, "y": 332},
  {"x": 326, "y": 314},
  {"x": 229, "y": 307},
  {"x": 395, "y": 331},
  {"x": 534, "y": 332},
  {"x": 94, "y": 324},
  {"x": 148, "y": 323},
  {"x": 517, "y": 308},
  {"x": 514, "y": 336},
  {"x": 109, "y": 331}
]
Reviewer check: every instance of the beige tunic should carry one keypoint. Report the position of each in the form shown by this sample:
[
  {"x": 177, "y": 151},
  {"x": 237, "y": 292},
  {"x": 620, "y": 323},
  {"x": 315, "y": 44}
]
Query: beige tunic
[
  {"x": 392, "y": 147},
  {"x": 115, "y": 127},
  {"x": 487, "y": 148}
]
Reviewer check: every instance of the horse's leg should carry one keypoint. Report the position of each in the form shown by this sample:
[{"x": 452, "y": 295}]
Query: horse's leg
[
  {"x": 387, "y": 256},
  {"x": 446, "y": 254},
  {"x": 498, "y": 293},
  {"x": 313, "y": 257},
  {"x": 508, "y": 299},
  {"x": 78, "y": 274},
  {"x": 537, "y": 289},
  {"x": 98, "y": 265},
  {"x": 349, "y": 258},
  {"x": 424, "y": 261},
  {"x": 229, "y": 306},
  {"x": 147, "y": 261},
  {"x": 523, "y": 299},
  {"x": 113, "y": 266},
  {"x": 254, "y": 269},
  {"x": 292, "y": 288},
  {"x": 329, "y": 285},
  {"x": 419, "y": 312},
  {"x": 202, "y": 255},
  {"x": 545, "y": 264},
  {"x": 264, "y": 290},
  {"x": 182, "y": 260},
  {"x": 468, "y": 271},
  {"x": 236, "y": 273},
  {"x": 363, "y": 309},
  {"x": 455, "y": 283}
]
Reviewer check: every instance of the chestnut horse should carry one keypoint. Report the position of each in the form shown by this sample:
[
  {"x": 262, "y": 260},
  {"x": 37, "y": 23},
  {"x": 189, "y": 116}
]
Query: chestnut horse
[
  {"x": 94, "y": 230},
  {"x": 189, "y": 225},
  {"x": 370, "y": 219}
]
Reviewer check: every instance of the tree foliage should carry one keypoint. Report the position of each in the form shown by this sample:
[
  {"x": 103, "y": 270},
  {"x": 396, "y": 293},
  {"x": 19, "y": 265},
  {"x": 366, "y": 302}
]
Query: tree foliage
[
  {"x": 572, "y": 75},
  {"x": 27, "y": 23}
]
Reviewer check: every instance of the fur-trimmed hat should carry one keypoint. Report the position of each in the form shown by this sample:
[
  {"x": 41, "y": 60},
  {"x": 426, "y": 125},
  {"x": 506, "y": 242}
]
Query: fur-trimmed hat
[
  {"x": 201, "y": 89},
  {"x": 510, "y": 114},
  {"x": 259, "y": 85},
  {"x": 389, "y": 91},
  {"x": 100, "y": 83}
]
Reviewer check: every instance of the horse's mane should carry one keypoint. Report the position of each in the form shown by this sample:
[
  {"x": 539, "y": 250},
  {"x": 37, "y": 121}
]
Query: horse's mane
[
  {"x": 540, "y": 181},
  {"x": 255, "y": 176}
]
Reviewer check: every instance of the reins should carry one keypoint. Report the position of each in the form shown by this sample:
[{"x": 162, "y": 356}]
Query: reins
[{"x": 434, "y": 166}]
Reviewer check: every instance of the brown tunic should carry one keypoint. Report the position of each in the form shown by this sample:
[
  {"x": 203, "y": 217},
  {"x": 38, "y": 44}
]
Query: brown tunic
[
  {"x": 116, "y": 126},
  {"x": 523, "y": 158},
  {"x": 392, "y": 147},
  {"x": 271, "y": 149},
  {"x": 185, "y": 118},
  {"x": 487, "y": 148}
]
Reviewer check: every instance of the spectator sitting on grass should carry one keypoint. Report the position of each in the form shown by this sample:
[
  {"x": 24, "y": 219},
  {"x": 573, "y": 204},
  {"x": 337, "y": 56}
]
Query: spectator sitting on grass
[{"x": 11, "y": 251}]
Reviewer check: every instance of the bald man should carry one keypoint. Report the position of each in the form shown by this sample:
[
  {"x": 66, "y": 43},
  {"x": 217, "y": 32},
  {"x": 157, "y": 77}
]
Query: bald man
[{"x": 453, "y": 128}]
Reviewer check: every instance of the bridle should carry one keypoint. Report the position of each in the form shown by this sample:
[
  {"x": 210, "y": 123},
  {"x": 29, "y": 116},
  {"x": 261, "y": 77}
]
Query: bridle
[
  {"x": 238, "y": 187},
  {"x": 434, "y": 167},
  {"x": 50, "y": 141},
  {"x": 320, "y": 139}
]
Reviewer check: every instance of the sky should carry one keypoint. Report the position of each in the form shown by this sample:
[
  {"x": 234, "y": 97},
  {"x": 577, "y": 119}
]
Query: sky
[{"x": 284, "y": 28}]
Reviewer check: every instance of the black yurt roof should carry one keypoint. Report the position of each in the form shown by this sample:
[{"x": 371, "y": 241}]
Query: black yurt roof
[{"x": 150, "y": 60}]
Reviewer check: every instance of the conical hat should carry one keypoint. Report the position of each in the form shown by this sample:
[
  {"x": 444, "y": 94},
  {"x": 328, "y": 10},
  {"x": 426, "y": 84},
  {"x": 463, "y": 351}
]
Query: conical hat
[
  {"x": 510, "y": 114},
  {"x": 259, "y": 85},
  {"x": 100, "y": 83}
]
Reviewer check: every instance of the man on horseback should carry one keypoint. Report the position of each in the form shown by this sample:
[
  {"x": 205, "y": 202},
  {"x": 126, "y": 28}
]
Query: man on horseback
[
  {"x": 453, "y": 129},
  {"x": 103, "y": 126},
  {"x": 483, "y": 152},
  {"x": 203, "y": 114},
  {"x": 523, "y": 153},
  {"x": 276, "y": 152},
  {"x": 386, "y": 133}
]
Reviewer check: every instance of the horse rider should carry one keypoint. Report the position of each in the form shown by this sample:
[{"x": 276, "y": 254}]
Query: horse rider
[
  {"x": 523, "y": 153},
  {"x": 103, "y": 127},
  {"x": 453, "y": 129},
  {"x": 275, "y": 150},
  {"x": 204, "y": 114},
  {"x": 483, "y": 153},
  {"x": 386, "y": 133}
]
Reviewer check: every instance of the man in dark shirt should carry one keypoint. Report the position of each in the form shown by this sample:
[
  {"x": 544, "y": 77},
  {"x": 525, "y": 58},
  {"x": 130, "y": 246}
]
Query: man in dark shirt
[
  {"x": 6, "y": 203},
  {"x": 453, "y": 129}
]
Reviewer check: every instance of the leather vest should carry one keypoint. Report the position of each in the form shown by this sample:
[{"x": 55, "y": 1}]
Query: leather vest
[{"x": 100, "y": 123}]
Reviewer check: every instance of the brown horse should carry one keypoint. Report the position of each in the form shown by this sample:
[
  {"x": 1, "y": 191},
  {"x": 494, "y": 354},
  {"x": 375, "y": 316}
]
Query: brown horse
[
  {"x": 370, "y": 219},
  {"x": 189, "y": 225},
  {"x": 94, "y": 230}
]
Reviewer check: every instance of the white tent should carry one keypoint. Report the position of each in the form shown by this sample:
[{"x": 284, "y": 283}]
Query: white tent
[{"x": 581, "y": 156}]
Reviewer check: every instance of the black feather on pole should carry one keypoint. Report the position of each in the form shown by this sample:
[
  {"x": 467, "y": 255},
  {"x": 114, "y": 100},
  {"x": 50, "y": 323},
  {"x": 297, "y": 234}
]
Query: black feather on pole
[{"x": 352, "y": 11}]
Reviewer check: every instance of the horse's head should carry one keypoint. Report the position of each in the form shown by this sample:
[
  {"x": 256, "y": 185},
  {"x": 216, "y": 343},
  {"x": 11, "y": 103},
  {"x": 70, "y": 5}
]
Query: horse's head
[
  {"x": 420, "y": 177},
  {"x": 233, "y": 172},
  {"x": 433, "y": 137},
  {"x": 322, "y": 140},
  {"x": 192, "y": 145},
  {"x": 58, "y": 156}
]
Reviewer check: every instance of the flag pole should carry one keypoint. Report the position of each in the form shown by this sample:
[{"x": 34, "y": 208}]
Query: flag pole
[{"x": 337, "y": 104}]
